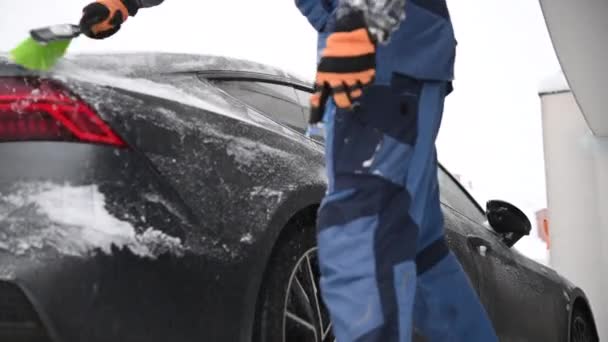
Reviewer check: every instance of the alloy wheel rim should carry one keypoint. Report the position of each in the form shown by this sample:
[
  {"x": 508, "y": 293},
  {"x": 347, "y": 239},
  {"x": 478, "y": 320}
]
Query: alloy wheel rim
[{"x": 305, "y": 318}]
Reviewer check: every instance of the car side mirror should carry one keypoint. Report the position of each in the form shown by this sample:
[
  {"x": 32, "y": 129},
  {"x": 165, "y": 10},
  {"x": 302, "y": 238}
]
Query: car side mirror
[{"x": 508, "y": 221}]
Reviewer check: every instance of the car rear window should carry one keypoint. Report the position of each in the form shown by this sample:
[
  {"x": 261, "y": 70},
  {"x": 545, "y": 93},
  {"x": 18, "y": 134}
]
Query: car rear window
[{"x": 277, "y": 101}]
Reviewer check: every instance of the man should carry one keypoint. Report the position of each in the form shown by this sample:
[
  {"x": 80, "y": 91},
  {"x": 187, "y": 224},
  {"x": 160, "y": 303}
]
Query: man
[
  {"x": 383, "y": 266},
  {"x": 384, "y": 261}
]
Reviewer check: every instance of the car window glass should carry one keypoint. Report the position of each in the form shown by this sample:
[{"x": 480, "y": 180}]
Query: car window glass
[
  {"x": 278, "y": 101},
  {"x": 454, "y": 196},
  {"x": 278, "y": 90},
  {"x": 304, "y": 98}
]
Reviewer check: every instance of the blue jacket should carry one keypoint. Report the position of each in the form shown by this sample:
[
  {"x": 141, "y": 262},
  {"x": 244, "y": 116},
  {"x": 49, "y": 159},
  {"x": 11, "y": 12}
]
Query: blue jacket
[{"x": 423, "y": 47}]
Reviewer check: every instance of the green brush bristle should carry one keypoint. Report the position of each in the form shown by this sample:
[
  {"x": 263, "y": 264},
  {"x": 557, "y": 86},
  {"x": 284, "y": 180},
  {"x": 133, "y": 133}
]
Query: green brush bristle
[{"x": 35, "y": 56}]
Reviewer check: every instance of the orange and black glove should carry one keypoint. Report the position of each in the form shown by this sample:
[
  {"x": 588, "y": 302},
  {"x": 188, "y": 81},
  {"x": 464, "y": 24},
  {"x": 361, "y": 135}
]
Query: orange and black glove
[
  {"x": 347, "y": 66},
  {"x": 103, "y": 18}
]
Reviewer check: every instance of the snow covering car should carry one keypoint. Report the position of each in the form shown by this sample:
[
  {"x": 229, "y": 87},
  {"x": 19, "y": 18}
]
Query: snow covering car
[{"x": 163, "y": 197}]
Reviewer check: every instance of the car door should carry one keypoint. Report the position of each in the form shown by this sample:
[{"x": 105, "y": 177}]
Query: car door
[
  {"x": 525, "y": 303},
  {"x": 273, "y": 99},
  {"x": 461, "y": 217},
  {"x": 522, "y": 299}
]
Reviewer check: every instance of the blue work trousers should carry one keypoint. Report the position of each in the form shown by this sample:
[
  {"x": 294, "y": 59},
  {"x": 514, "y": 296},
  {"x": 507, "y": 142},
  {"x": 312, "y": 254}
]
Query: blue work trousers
[{"x": 385, "y": 266}]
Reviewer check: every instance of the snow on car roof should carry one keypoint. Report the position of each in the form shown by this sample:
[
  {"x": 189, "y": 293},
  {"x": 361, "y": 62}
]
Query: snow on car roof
[{"x": 142, "y": 64}]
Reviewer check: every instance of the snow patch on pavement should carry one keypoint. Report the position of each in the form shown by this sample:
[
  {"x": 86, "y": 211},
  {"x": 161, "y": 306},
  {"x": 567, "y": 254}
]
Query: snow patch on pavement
[{"x": 73, "y": 221}]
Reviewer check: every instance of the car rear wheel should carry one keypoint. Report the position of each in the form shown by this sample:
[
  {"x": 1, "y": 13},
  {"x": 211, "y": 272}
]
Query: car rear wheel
[
  {"x": 581, "y": 329},
  {"x": 290, "y": 307}
]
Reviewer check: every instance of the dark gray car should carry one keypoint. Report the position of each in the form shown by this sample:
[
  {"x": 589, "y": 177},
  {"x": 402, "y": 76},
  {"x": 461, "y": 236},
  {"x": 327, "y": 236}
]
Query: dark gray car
[{"x": 159, "y": 197}]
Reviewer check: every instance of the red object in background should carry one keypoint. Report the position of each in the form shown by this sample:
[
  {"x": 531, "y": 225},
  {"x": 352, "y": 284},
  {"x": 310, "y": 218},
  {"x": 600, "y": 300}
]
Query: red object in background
[{"x": 542, "y": 224}]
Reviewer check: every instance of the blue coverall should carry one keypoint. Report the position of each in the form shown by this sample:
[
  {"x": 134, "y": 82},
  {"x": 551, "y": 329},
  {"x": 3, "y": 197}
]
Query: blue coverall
[{"x": 385, "y": 265}]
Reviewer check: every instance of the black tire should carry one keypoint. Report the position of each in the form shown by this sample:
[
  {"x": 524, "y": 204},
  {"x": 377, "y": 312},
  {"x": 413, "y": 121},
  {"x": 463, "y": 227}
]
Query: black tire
[
  {"x": 296, "y": 248},
  {"x": 582, "y": 328}
]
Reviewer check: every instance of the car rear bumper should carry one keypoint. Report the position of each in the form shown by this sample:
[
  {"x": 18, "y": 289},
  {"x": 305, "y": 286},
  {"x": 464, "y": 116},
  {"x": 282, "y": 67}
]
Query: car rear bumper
[
  {"x": 95, "y": 247},
  {"x": 18, "y": 319},
  {"x": 73, "y": 199},
  {"x": 118, "y": 297}
]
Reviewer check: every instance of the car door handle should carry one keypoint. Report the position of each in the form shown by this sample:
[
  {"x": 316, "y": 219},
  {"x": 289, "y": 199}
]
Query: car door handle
[{"x": 479, "y": 245}]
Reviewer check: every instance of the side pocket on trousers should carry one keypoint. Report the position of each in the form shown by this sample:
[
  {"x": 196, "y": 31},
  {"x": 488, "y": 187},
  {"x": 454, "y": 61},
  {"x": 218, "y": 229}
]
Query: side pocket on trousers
[
  {"x": 382, "y": 111},
  {"x": 354, "y": 142}
]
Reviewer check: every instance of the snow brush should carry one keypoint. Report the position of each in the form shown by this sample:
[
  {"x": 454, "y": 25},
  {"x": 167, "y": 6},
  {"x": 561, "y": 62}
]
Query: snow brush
[{"x": 45, "y": 46}]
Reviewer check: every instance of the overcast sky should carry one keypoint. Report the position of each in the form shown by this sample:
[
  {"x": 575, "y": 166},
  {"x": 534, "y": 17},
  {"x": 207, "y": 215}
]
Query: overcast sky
[{"x": 492, "y": 125}]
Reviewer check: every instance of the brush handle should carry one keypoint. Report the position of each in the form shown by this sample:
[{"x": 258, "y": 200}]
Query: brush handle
[{"x": 49, "y": 34}]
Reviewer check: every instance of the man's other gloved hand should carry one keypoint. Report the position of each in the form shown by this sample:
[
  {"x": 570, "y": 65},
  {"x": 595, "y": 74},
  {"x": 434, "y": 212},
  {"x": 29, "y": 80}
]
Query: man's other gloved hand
[
  {"x": 347, "y": 66},
  {"x": 103, "y": 18}
]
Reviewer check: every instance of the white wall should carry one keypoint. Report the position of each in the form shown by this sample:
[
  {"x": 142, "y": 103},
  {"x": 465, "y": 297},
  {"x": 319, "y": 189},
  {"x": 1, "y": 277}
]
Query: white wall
[{"x": 576, "y": 164}]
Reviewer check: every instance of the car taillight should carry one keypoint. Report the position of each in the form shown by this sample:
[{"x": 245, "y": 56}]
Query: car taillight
[{"x": 38, "y": 109}]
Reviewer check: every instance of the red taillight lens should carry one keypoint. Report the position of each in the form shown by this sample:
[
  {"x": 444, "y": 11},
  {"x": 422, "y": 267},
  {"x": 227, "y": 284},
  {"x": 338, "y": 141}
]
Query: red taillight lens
[{"x": 34, "y": 109}]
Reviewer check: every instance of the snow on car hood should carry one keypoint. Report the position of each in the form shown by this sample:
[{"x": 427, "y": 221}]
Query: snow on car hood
[{"x": 72, "y": 220}]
